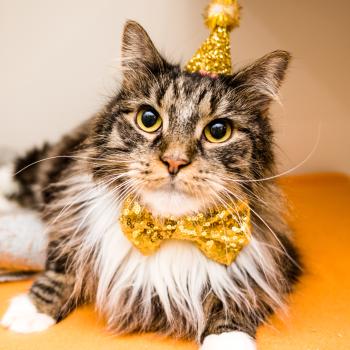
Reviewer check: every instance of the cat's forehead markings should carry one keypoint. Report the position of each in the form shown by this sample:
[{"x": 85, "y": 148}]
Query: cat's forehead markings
[
  {"x": 175, "y": 103},
  {"x": 182, "y": 104},
  {"x": 223, "y": 105},
  {"x": 169, "y": 96},
  {"x": 153, "y": 92},
  {"x": 183, "y": 89},
  {"x": 204, "y": 105}
]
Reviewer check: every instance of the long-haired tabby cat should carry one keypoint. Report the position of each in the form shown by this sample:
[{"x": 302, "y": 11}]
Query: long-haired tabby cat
[{"x": 180, "y": 143}]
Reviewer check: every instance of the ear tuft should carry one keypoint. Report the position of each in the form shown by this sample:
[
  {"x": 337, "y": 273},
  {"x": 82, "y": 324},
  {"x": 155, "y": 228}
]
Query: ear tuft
[
  {"x": 138, "y": 49},
  {"x": 261, "y": 80}
]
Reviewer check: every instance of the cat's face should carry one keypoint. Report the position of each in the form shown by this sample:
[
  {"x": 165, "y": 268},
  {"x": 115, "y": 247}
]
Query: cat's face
[{"x": 178, "y": 140}]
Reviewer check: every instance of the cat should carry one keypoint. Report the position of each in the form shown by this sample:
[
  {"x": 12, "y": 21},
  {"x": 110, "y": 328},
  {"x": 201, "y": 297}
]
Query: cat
[{"x": 182, "y": 143}]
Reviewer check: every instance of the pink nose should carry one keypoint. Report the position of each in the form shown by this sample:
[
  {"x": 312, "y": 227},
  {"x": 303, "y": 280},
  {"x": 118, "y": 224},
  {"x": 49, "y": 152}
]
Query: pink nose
[{"x": 174, "y": 164}]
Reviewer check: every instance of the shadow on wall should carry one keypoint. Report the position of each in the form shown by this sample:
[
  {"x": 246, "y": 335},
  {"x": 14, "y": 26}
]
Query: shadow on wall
[{"x": 315, "y": 94}]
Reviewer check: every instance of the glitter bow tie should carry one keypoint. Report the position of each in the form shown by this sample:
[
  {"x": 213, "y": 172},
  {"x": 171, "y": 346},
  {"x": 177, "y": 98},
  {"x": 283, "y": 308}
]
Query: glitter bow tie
[{"x": 220, "y": 234}]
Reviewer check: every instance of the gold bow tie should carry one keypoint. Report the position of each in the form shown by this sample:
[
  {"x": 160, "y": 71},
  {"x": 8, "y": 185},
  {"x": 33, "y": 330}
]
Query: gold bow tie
[{"x": 220, "y": 234}]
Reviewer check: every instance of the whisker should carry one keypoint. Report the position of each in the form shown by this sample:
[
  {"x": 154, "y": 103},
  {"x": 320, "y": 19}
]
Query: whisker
[
  {"x": 74, "y": 158},
  {"x": 288, "y": 171},
  {"x": 270, "y": 229}
]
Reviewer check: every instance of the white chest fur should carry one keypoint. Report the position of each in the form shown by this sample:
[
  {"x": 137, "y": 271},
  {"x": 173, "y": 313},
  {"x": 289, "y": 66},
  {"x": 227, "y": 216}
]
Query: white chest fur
[{"x": 177, "y": 273}]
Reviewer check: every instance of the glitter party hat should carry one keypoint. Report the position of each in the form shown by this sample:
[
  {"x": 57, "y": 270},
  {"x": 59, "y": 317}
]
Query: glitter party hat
[{"x": 214, "y": 55}]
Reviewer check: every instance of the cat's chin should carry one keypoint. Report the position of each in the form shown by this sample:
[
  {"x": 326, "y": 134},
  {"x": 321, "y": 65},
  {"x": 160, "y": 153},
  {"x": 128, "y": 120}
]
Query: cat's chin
[{"x": 170, "y": 203}]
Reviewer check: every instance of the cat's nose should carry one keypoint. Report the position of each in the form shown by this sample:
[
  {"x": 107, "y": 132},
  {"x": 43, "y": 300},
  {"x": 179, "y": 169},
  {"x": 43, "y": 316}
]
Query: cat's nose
[{"x": 174, "y": 164}]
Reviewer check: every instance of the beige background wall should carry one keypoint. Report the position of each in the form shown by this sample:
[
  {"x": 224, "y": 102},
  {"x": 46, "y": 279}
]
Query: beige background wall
[{"x": 59, "y": 62}]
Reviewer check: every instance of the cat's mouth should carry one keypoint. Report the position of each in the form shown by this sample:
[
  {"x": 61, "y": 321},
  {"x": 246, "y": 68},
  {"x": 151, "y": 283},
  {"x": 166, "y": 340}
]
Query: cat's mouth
[
  {"x": 170, "y": 200},
  {"x": 172, "y": 186},
  {"x": 168, "y": 195}
]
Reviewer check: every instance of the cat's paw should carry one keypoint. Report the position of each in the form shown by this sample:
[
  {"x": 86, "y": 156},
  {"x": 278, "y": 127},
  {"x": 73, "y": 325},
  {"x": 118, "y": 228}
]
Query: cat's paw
[
  {"x": 229, "y": 341},
  {"x": 23, "y": 317}
]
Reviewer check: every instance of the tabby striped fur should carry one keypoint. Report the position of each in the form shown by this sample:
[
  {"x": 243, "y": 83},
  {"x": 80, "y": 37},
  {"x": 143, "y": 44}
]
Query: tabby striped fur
[{"x": 80, "y": 187}]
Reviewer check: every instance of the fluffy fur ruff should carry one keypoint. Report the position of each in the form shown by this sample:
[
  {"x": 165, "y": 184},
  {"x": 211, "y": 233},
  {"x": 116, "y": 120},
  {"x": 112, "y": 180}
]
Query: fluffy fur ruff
[{"x": 85, "y": 177}]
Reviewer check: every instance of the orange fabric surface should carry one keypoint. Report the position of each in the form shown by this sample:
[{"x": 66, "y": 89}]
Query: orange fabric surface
[{"x": 319, "y": 309}]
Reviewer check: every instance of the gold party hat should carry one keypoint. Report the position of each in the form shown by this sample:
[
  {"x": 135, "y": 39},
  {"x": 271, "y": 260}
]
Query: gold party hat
[{"x": 214, "y": 56}]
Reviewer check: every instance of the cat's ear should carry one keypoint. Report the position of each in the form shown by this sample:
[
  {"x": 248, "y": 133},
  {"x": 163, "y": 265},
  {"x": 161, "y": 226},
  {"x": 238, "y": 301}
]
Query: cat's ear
[
  {"x": 138, "y": 50},
  {"x": 258, "y": 84}
]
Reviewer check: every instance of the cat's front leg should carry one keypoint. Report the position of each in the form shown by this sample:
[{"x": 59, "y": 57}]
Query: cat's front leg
[
  {"x": 232, "y": 329},
  {"x": 48, "y": 301}
]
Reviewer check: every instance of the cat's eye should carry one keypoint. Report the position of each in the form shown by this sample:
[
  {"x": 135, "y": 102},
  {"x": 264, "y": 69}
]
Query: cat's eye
[
  {"x": 148, "y": 120},
  {"x": 218, "y": 130}
]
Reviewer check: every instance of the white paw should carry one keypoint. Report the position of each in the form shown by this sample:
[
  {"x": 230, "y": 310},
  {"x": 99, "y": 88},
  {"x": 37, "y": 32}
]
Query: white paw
[
  {"x": 229, "y": 341},
  {"x": 23, "y": 317}
]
